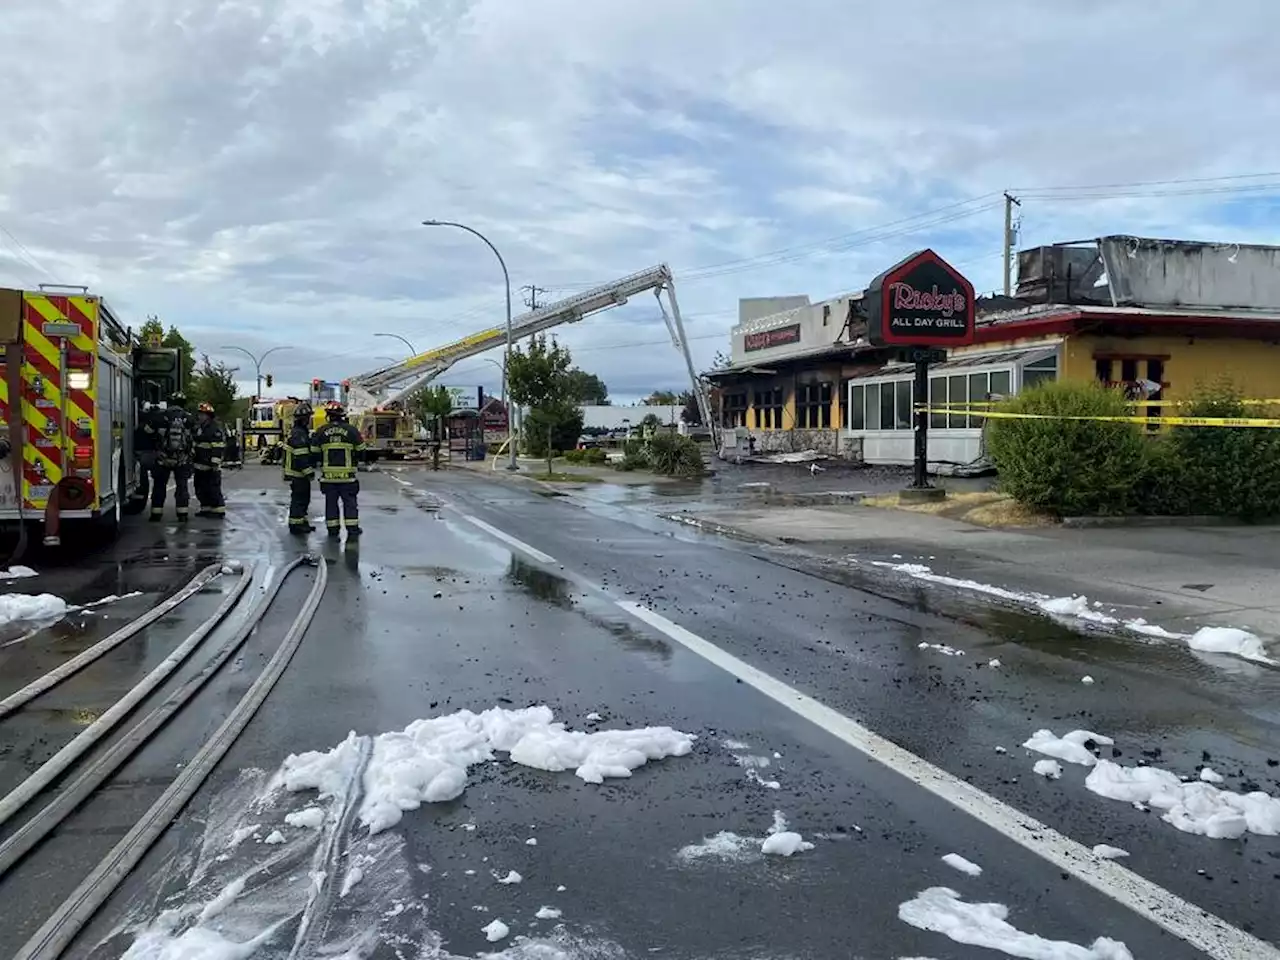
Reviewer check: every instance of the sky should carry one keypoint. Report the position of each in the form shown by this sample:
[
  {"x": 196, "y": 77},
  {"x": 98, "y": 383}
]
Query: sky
[{"x": 256, "y": 171}]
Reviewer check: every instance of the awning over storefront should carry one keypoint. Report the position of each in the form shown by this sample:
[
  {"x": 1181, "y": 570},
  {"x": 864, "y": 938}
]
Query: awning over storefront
[{"x": 968, "y": 362}]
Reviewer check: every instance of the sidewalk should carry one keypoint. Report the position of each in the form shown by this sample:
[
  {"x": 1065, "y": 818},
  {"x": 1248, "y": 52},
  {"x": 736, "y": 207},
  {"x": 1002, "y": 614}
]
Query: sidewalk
[{"x": 1180, "y": 578}]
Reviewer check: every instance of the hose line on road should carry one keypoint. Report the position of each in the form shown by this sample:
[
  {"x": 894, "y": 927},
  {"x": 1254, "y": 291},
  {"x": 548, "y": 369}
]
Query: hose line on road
[
  {"x": 54, "y": 767},
  {"x": 104, "y": 646},
  {"x": 57, "y": 933}
]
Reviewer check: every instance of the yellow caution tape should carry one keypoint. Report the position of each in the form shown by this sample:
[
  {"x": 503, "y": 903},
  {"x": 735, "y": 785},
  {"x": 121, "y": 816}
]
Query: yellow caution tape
[
  {"x": 1136, "y": 403},
  {"x": 1259, "y": 422}
]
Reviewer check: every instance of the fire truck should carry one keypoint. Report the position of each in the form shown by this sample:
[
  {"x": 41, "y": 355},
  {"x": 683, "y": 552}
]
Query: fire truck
[
  {"x": 72, "y": 386},
  {"x": 387, "y": 429}
]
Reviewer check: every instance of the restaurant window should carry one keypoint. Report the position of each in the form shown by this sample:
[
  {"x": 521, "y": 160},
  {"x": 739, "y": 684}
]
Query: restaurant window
[
  {"x": 937, "y": 398},
  {"x": 886, "y": 406},
  {"x": 873, "y": 406},
  {"x": 813, "y": 406},
  {"x": 735, "y": 410},
  {"x": 768, "y": 406},
  {"x": 1047, "y": 369},
  {"x": 855, "y": 407},
  {"x": 1000, "y": 383},
  {"x": 958, "y": 396},
  {"x": 902, "y": 407},
  {"x": 845, "y": 399}
]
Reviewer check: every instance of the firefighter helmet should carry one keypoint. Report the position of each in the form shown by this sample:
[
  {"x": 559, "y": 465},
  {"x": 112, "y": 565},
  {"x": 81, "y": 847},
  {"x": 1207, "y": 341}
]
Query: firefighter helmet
[
  {"x": 334, "y": 410},
  {"x": 302, "y": 411},
  {"x": 205, "y": 407},
  {"x": 177, "y": 399}
]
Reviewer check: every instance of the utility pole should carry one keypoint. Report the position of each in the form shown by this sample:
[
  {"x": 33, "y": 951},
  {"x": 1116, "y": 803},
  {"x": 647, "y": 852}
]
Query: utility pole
[
  {"x": 531, "y": 295},
  {"x": 1010, "y": 202}
]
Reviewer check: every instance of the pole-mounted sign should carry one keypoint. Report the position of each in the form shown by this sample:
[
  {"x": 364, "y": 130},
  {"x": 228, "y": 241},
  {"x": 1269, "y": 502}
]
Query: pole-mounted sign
[{"x": 922, "y": 301}]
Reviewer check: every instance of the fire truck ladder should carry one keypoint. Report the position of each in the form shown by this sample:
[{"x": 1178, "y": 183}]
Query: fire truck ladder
[{"x": 393, "y": 383}]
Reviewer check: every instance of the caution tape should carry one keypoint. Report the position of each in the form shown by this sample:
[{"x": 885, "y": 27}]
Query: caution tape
[
  {"x": 1137, "y": 403},
  {"x": 1258, "y": 422}
]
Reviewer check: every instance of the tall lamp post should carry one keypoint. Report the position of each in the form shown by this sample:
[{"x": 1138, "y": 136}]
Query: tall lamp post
[
  {"x": 257, "y": 362},
  {"x": 404, "y": 340},
  {"x": 512, "y": 465}
]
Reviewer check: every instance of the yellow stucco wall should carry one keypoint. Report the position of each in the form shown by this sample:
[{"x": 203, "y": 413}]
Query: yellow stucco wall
[{"x": 1252, "y": 365}]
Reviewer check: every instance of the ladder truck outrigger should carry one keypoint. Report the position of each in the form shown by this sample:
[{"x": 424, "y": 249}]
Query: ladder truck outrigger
[{"x": 382, "y": 393}]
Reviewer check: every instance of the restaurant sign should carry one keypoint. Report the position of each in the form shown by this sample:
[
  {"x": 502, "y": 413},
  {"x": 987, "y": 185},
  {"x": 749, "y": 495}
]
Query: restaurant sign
[
  {"x": 922, "y": 301},
  {"x": 780, "y": 337}
]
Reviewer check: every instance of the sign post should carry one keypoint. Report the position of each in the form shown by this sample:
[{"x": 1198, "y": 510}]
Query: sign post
[{"x": 921, "y": 302}]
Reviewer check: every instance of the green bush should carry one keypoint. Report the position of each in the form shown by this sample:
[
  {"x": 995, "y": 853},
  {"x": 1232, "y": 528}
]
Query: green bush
[
  {"x": 635, "y": 456},
  {"x": 1069, "y": 467},
  {"x": 1228, "y": 471},
  {"x": 673, "y": 455}
]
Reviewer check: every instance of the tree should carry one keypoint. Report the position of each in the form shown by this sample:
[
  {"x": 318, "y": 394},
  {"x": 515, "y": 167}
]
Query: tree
[
  {"x": 691, "y": 414},
  {"x": 430, "y": 406},
  {"x": 186, "y": 351},
  {"x": 539, "y": 378},
  {"x": 214, "y": 384},
  {"x": 587, "y": 388},
  {"x": 661, "y": 398}
]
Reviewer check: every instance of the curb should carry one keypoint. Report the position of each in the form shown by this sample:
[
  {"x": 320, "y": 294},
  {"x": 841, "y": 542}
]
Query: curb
[{"x": 1080, "y": 523}]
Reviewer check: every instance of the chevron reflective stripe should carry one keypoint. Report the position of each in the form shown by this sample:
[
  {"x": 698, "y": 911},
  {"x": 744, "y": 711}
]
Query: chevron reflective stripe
[{"x": 48, "y": 320}]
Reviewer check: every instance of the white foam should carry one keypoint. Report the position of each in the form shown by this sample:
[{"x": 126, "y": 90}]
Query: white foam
[
  {"x": 1209, "y": 775},
  {"x": 941, "y": 910},
  {"x": 17, "y": 572},
  {"x": 785, "y": 843},
  {"x": 36, "y": 607},
  {"x": 1070, "y": 747},
  {"x": 963, "y": 865},
  {"x": 1195, "y": 807},
  {"x": 725, "y": 845},
  {"x": 274, "y": 837},
  {"x": 495, "y": 931},
  {"x": 1108, "y": 852},
  {"x": 510, "y": 878},
  {"x": 548, "y": 913},
  {"x": 427, "y": 762},
  {"x": 1239, "y": 643},
  {"x": 1050, "y": 769},
  {"x": 311, "y": 817}
]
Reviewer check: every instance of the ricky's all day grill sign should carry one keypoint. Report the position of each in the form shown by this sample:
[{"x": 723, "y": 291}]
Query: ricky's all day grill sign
[{"x": 922, "y": 301}]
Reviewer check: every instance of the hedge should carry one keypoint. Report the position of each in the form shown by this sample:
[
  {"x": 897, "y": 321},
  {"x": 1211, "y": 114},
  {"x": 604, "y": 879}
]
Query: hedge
[{"x": 1080, "y": 467}]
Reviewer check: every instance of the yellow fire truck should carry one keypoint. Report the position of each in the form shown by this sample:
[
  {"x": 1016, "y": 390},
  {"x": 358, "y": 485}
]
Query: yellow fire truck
[{"x": 72, "y": 386}]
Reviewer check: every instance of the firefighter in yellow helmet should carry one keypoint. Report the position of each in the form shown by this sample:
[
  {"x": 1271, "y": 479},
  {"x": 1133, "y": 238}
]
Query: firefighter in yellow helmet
[
  {"x": 335, "y": 449},
  {"x": 210, "y": 442},
  {"x": 299, "y": 468}
]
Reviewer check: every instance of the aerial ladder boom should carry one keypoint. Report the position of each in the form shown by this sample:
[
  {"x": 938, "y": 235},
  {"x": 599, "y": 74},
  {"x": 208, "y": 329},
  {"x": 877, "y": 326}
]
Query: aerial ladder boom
[{"x": 389, "y": 384}]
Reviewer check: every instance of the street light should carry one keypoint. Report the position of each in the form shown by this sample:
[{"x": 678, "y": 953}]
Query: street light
[
  {"x": 257, "y": 362},
  {"x": 506, "y": 277},
  {"x": 404, "y": 340}
]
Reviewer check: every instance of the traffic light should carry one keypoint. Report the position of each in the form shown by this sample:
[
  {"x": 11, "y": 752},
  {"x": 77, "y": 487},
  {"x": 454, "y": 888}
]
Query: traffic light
[{"x": 268, "y": 379}]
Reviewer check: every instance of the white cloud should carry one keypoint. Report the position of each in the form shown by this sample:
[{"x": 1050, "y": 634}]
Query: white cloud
[{"x": 255, "y": 171}]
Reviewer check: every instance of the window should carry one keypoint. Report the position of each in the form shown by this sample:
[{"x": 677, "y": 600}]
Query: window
[
  {"x": 886, "y": 406},
  {"x": 826, "y": 314},
  {"x": 873, "y": 406},
  {"x": 855, "y": 407},
  {"x": 1046, "y": 369},
  {"x": 937, "y": 398},
  {"x": 735, "y": 410},
  {"x": 844, "y": 405},
  {"x": 768, "y": 407},
  {"x": 902, "y": 391},
  {"x": 813, "y": 406},
  {"x": 1000, "y": 383},
  {"x": 957, "y": 395}
]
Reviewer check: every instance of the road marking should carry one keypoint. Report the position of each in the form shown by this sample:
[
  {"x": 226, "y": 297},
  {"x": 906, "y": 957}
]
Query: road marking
[
  {"x": 510, "y": 540},
  {"x": 1204, "y": 931},
  {"x": 403, "y": 483}
]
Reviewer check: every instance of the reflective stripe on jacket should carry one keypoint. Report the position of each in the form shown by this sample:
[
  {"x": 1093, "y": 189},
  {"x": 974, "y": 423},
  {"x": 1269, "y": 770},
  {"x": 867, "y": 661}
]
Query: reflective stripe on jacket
[
  {"x": 334, "y": 449},
  {"x": 210, "y": 444},
  {"x": 298, "y": 461}
]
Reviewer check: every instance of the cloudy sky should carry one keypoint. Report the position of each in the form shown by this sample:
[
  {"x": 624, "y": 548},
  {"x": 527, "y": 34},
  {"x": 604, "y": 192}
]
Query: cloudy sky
[{"x": 255, "y": 170}]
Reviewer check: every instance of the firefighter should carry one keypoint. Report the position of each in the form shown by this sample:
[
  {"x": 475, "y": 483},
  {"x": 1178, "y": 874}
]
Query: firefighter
[
  {"x": 298, "y": 469},
  {"x": 175, "y": 445},
  {"x": 207, "y": 460},
  {"x": 335, "y": 449},
  {"x": 145, "y": 438}
]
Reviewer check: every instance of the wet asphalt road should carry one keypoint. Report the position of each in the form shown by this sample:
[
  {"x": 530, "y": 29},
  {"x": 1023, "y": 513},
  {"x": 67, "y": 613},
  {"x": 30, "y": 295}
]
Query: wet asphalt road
[{"x": 512, "y": 631}]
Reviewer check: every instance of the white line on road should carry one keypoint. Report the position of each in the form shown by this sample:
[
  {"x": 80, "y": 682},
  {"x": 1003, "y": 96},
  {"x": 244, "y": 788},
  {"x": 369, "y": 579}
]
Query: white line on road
[
  {"x": 1208, "y": 933},
  {"x": 510, "y": 540},
  {"x": 403, "y": 483}
]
